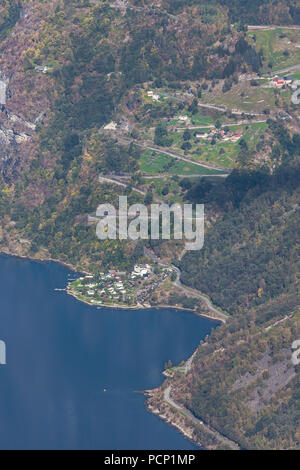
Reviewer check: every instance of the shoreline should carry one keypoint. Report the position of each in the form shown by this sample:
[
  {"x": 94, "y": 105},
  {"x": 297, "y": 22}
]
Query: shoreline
[
  {"x": 87, "y": 273},
  {"x": 185, "y": 430},
  {"x": 194, "y": 429},
  {"x": 45, "y": 260},
  {"x": 94, "y": 304},
  {"x": 141, "y": 307},
  {"x": 171, "y": 416}
]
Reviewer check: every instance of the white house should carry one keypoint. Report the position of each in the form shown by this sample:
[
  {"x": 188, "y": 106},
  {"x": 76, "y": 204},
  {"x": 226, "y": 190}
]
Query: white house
[
  {"x": 111, "y": 126},
  {"x": 141, "y": 270},
  {"x": 42, "y": 68}
]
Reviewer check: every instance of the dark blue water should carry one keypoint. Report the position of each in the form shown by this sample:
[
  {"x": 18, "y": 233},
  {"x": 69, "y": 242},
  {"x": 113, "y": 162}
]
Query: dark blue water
[{"x": 62, "y": 354}]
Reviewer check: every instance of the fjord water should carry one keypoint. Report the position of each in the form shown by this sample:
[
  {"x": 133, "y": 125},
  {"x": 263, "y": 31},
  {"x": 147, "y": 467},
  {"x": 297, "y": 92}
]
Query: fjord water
[{"x": 62, "y": 354}]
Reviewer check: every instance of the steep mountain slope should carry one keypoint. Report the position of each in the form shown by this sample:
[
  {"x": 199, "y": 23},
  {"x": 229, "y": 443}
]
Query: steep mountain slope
[
  {"x": 65, "y": 67},
  {"x": 243, "y": 381},
  {"x": 9, "y": 15},
  {"x": 252, "y": 254},
  {"x": 255, "y": 12}
]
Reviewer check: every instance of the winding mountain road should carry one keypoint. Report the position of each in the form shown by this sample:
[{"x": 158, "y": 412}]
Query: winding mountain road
[
  {"x": 107, "y": 179},
  {"x": 219, "y": 315},
  {"x": 124, "y": 5},
  {"x": 291, "y": 68},
  {"x": 212, "y": 126},
  {"x": 167, "y": 397},
  {"x": 270, "y": 27},
  {"x": 171, "y": 154}
]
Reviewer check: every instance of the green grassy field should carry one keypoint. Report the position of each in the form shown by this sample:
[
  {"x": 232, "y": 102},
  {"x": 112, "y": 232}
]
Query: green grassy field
[
  {"x": 153, "y": 163},
  {"x": 198, "y": 119},
  {"x": 160, "y": 185},
  {"x": 169, "y": 189},
  {"x": 294, "y": 75},
  {"x": 251, "y": 99},
  {"x": 274, "y": 44},
  {"x": 204, "y": 151}
]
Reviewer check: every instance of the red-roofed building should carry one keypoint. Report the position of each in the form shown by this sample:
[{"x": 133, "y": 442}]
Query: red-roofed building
[{"x": 278, "y": 82}]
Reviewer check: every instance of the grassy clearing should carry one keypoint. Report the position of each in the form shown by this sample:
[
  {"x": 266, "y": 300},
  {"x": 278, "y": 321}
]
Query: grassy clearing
[
  {"x": 250, "y": 99},
  {"x": 295, "y": 75},
  {"x": 152, "y": 163},
  {"x": 198, "y": 119},
  {"x": 275, "y": 45},
  {"x": 222, "y": 153},
  {"x": 166, "y": 187}
]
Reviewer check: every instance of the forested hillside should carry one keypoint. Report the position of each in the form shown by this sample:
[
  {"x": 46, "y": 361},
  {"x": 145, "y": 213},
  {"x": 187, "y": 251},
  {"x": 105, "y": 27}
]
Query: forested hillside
[
  {"x": 251, "y": 255},
  {"x": 9, "y": 14},
  {"x": 243, "y": 382},
  {"x": 85, "y": 86},
  {"x": 254, "y": 12},
  {"x": 91, "y": 55}
]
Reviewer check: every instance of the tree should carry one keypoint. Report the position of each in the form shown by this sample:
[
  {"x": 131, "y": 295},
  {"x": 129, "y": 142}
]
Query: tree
[
  {"x": 161, "y": 135},
  {"x": 148, "y": 198},
  {"x": 186, "y": 146},
  {"x": 193, "y": 108},
  {"x": 187, "y": 135}
]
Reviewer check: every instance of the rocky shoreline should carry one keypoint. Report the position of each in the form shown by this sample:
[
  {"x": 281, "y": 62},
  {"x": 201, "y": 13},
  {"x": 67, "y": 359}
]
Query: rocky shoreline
[
  {"x": 43, "y": 259},
  {"x": 199, "y": 433},
  {"x": 156, "y": 404},
  {"x": 171, "y": 417}
]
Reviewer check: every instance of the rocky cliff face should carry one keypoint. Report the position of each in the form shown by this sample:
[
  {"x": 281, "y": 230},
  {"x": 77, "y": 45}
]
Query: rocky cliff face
[{"x": 25, "y": 95}]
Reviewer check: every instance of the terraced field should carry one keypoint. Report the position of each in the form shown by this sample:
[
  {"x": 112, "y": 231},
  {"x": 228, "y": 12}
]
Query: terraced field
[
  {"x": 281, "y": 47},
  {"x": 222, "y": 153},
  {"x": 152, "y": 162},
  {"x": 251, "y": 99}
]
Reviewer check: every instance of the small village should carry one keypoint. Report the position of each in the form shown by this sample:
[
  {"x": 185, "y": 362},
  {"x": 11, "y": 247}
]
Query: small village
[{"x": 116, "y": 288}]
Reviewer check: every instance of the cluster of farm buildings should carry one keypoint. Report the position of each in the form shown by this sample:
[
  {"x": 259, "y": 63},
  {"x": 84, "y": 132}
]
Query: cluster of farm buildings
[
  {"x": 282, "y": 82},
  {"x": 225, "y": 136},
  {"x": 154, "y": 96}
]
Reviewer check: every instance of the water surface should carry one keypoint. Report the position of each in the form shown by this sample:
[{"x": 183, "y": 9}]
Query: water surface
[{"x": 62, "y": 354}]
